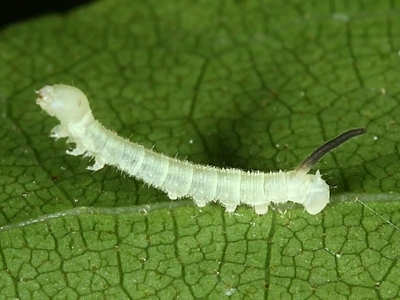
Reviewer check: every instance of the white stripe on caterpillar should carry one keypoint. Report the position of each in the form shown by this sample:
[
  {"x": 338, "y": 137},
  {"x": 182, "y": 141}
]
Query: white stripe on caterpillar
[{"x": 230, "y": 187}]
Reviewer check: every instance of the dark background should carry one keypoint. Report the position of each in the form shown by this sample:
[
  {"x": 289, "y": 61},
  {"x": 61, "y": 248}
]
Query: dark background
[{"x": 19, "y": 10}]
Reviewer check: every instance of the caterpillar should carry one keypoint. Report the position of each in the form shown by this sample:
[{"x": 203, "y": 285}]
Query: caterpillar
[{"x": 204, "y": 184}]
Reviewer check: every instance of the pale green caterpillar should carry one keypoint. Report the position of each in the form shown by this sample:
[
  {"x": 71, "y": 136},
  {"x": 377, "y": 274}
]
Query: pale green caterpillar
[{"x": 230, "y": 187}]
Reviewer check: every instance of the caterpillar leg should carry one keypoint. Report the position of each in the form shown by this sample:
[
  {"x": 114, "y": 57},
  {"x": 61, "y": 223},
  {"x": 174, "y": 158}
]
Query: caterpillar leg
[
  {"x": 230, "y": 208},
  {"x": 96, "y": 166},
  {"x": 58, "y": 132},
  {"x": 76, "y": 151},
  {"x": 172, "y": 196},
  {"x": 200, "y": 202},
  {"x": 261, "y": 209}
]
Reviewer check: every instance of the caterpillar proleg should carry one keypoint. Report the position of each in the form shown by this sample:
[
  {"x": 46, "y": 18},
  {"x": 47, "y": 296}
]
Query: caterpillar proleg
[{"x": 204, "y": 184}]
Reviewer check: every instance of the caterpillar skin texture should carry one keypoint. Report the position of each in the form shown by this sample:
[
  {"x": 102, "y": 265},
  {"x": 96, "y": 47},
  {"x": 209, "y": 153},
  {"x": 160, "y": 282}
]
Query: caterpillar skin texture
[{"x": 230, "y": 187}]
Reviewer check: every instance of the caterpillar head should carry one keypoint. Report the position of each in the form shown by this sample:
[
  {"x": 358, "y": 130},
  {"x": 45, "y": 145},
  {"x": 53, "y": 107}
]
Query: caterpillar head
[{"x": 67, "y": 103}]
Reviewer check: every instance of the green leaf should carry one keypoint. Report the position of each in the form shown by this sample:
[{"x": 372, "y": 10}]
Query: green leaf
[{"x": 246, "y": 84}]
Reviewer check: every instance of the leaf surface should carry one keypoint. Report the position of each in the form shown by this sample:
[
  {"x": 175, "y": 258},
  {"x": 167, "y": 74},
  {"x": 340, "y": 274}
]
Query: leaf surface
[{"x": 246, "y": 84}]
